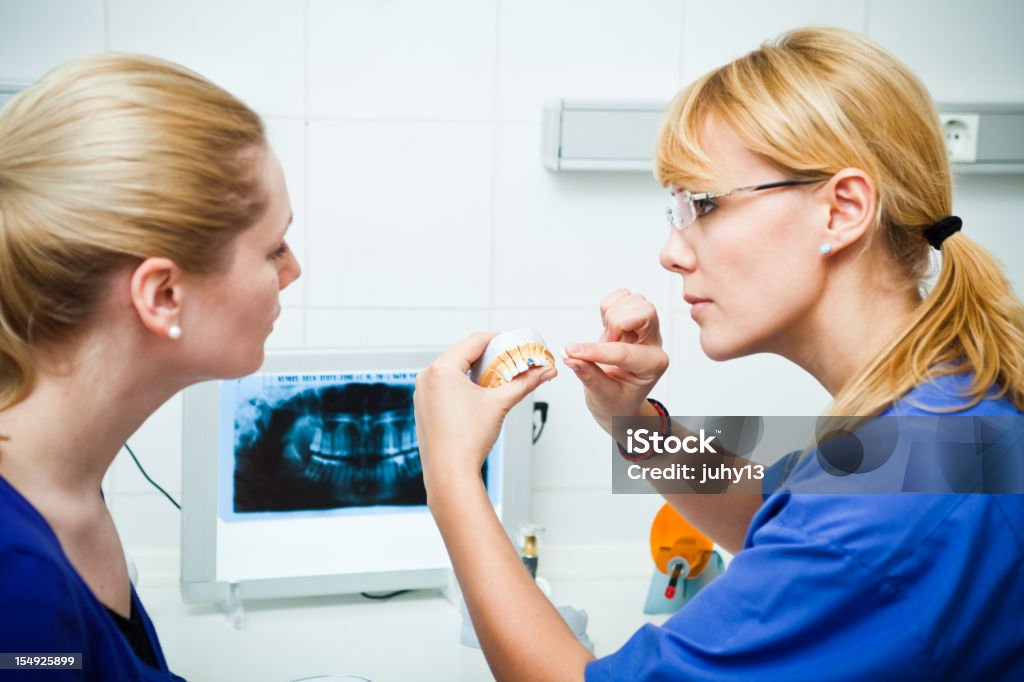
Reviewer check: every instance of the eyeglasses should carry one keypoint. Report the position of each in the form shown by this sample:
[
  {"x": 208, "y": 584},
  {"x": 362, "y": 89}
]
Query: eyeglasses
[{"x": 685, "y": 207}]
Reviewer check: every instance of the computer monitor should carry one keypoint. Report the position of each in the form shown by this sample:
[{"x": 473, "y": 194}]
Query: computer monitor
[{"x": 305, "y": 479}]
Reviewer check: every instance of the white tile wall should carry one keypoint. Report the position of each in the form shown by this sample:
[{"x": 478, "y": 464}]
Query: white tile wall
[
  {"x": 440, "y": 328},
  {"x": 253, "y": 49},
  {"x": 402, "y": 59},
  {"x": 146, "y": 520},
  {"x": 594, "y": 517},
  {"x": 36, "y": 35},
  {"x": 963, "y": 53},
  {"x": 717, "y": 32},
  {"x": 584, "y": 48},
  {"x": 992, "y": 211},
  {"x": 287, "y": 137},
  {"x": 568, "y": 239},
  {"x": 756, "y": 384},
  {"x": 408, "y": 134},
  {"x": 400, "y": 214},
  {"x": 157, "y": 445},
  {"x": 289, "y": 330}
]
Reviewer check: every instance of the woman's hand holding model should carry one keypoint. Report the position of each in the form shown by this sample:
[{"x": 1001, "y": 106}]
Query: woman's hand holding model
[
  {"x": 457, "y": 421},
  {"x": 619, "y": 371}
]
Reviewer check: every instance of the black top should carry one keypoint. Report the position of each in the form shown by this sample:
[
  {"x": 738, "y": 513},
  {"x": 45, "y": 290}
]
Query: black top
[{"x": 135, "y": 632}]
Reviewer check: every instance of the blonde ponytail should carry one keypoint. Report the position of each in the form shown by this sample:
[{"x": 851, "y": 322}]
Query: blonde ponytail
[{"x": 970, "y": 321}]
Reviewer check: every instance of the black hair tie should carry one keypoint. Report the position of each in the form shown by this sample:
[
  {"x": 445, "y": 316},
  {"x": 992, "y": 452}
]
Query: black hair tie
[{"x": 937, "y": 233}]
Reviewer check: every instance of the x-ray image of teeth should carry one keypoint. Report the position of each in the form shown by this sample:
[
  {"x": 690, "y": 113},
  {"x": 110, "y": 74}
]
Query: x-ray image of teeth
[{"x": 344, "y": 441}]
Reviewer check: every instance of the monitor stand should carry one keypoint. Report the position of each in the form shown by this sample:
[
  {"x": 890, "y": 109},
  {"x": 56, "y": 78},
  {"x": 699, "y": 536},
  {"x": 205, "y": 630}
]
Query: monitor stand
[{"x": 232, "y": 607}]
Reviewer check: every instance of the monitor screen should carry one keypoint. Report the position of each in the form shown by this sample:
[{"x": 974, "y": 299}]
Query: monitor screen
[
  {"x": 321, "y": 444},
  {"x": 305, "y": 478}
]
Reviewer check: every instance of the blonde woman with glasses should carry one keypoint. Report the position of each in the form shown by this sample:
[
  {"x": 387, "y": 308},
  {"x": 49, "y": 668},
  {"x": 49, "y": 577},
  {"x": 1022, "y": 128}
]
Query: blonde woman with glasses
[{"x": 809, "y": 187}]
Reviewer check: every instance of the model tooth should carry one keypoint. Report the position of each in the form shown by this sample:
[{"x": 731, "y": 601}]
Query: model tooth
[
  {"x": 511, "y": 354},
  {"x": 508, "y": 360}
]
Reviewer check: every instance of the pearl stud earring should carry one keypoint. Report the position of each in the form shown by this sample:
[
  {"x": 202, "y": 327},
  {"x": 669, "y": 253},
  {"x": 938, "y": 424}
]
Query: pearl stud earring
[
  {"x": 174, "y": 331},
  {"x": 825, "y": 248}
]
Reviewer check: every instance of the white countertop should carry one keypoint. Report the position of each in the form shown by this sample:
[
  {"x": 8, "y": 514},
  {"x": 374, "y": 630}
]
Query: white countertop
[{"x": 411, "y": 637}]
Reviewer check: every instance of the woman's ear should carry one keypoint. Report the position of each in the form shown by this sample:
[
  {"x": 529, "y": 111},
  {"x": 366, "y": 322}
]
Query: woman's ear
[
  {"x": 156, "y": 293},
  {"x": 851, "y": 203}
]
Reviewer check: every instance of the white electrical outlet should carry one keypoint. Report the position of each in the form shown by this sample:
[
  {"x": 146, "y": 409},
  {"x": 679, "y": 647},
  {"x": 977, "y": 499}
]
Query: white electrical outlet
[{"x": 960, "y": 132}]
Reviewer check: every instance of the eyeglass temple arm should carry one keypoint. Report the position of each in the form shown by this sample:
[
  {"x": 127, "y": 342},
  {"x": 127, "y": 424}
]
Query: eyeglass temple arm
[
  {"x": 752, "y": 188},
  {"x": 781, "y": 183}
]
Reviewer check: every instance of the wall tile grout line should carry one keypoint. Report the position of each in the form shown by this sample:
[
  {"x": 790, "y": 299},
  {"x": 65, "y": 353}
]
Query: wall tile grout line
[
  {"x": 307, "y": 166},
  {"x": 495, "y": 89},
  {"x": 106, "y": 25}
]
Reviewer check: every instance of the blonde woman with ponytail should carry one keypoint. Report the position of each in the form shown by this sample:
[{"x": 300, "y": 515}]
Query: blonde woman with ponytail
[
  {"x": 142, "y": 249},
  {"x": 810, "y": 189}
]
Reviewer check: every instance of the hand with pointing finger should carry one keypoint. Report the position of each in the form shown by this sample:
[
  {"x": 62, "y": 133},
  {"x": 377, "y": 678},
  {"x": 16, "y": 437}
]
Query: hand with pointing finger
[
  {"x": 457, "y": 421},
  {"x": 619, "y": 371}
]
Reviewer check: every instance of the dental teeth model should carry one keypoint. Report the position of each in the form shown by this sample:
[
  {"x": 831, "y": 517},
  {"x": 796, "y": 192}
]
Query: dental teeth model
[{"x": 509, "y": 354}]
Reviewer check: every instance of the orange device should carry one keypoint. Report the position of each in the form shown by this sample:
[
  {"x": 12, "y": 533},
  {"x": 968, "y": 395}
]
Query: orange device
[{"x": 672, "y": 537}]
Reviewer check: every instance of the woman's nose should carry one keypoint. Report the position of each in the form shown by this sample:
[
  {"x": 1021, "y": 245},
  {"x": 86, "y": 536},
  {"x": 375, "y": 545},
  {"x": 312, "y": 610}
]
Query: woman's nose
[
  {"x": 676, "y": 254},
  {"x": 290, "y": 272}
]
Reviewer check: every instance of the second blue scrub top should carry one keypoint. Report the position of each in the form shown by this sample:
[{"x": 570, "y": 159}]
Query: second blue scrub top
[
  {"x": 47, "y": 608},
  {"x": 856, "y": 587}
]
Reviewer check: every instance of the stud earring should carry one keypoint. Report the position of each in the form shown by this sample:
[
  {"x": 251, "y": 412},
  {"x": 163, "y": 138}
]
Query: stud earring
[
  {"x": 825, "y": 248},
  {"x": 174, "y": 331}
]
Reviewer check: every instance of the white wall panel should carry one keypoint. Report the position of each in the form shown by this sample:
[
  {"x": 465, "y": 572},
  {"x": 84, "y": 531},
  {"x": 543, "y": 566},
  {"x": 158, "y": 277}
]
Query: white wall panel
[
  {"x": 762, "y": 384},
  {"x": 287, "y": 137},
  {"x": 580, "y": 48},
  {"x": 962, "y": 52},
  {"x": 399, "y": 215},
  {"x": 717, "y": 32},
  {"x": 253, "y": 48},
  {"x": 157, "y": 444},
  {"x": 402, "y": 59},
  {"x": 36, "y": 35},
  {"x": 568, "y": 239},
  {"x": 328, "y": 328}
]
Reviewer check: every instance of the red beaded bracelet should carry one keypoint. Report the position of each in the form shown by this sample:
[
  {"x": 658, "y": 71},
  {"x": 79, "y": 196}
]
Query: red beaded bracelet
[{"x": 666, "y": 431}]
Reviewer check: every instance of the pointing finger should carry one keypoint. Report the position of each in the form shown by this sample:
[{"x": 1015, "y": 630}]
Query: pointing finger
[{"x": 641, "y": 360}]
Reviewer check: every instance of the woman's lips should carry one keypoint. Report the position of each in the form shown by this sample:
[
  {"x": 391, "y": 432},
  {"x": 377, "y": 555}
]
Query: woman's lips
[{"x": 698, "y": 307}]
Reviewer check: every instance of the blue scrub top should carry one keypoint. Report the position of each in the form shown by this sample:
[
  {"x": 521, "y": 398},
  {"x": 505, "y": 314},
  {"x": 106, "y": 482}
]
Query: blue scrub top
[
  {"x": 46, "y": 607},
  {"x": 856, "y": 587}
]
